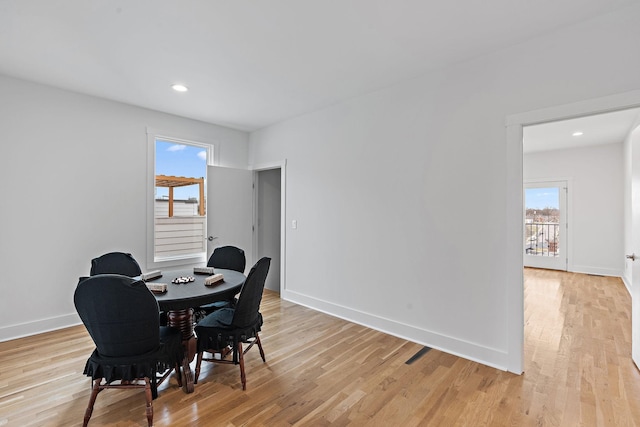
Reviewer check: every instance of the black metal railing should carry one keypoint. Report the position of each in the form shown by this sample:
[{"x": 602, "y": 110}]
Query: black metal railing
[{"x": 541, "y": 238}]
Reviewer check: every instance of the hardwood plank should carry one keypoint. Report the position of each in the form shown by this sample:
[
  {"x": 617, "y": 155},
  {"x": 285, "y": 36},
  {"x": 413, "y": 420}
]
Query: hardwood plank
[{"x": 323, "y": 371}]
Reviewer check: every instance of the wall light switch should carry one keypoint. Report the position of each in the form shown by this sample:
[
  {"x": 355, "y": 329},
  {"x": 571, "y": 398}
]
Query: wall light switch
[{"x": 294, "y": 224}]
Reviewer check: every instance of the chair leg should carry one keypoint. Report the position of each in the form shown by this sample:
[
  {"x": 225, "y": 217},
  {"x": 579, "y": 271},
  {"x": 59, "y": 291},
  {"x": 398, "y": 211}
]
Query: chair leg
[
  {"x": 260, "y": 347},
  {"x": 178, "y": 374},
  {"x": 92, "y": 399},
  {"x": 198, "y": 363},
  {"x": 148, "y": 396},
  {"x": 154, "y": 387},
  {"x": 243, "y": 377}
]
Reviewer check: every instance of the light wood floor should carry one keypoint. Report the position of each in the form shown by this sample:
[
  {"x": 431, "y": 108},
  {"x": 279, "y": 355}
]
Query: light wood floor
[{"x": 325, "y": 371}]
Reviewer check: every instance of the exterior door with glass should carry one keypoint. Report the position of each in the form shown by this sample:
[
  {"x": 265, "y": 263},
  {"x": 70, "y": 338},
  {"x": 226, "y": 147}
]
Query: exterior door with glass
[{"x": 545, "y": 225}]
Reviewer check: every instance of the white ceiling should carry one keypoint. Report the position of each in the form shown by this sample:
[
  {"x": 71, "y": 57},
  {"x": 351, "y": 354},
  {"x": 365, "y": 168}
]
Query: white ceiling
[
  {"x": 607, "y": 128},
  {"x": 250, "y": 64}
]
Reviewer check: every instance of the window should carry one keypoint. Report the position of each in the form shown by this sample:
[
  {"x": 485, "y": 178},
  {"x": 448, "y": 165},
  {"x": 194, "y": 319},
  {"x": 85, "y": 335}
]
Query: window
[{"x": 179, "y": 219}]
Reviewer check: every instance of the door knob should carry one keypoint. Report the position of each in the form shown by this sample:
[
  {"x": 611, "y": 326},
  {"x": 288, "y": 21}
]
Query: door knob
[
  {"x": 632, "y": 257},
  {"x": 210, "y": 238}
]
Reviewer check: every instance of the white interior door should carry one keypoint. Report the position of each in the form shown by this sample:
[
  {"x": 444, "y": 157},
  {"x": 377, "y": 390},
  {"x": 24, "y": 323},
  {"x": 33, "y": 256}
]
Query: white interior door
[
  {"x": 230, "y": 209},
  {"x": 545, "y": 225},
  {"x": 635, "y": 242}
]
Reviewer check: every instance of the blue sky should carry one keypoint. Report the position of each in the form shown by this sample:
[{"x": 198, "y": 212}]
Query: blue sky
[
  {"x": 540, "y": 198},
  {"x": 180, "y": 160}
]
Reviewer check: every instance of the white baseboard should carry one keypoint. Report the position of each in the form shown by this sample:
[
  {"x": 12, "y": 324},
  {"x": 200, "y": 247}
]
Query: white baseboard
[
  {"x": 38, "y": 326},
  {"x": 487, "y": 356},
  {"x": 585, "y": 269},
  {"x": 627, "y": 283}
]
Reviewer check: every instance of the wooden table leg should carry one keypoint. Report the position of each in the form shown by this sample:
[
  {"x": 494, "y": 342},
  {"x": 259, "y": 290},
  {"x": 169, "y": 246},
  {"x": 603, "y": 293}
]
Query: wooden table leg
[{"x": 183, "y": 320}]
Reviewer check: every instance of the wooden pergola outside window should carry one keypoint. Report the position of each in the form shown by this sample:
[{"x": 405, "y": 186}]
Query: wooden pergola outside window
[{"x": 171, "y": 182}]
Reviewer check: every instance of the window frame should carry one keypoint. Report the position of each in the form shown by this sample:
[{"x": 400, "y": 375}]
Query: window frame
[{"x": 152, "y": 136}]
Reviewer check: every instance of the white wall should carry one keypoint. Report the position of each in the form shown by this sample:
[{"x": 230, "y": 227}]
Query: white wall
[
  {"x": 59, "y": 146},
  {"x": 597, "y": 205},
  {"x": 401, "y": 195}
]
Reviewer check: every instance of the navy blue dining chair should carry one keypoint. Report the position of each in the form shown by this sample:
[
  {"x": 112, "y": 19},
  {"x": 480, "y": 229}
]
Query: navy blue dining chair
[
  {"x": 132, "y": 349},
  {"x": 224, "y": 331}
]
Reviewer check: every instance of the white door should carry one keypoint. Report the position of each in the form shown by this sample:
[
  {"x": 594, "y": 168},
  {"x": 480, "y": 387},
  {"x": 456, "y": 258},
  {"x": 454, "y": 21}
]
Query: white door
[
  {"x": 635, "y": 242},
  {"x": 230, "y": 209},
  {"x": 545, "y": 225}
]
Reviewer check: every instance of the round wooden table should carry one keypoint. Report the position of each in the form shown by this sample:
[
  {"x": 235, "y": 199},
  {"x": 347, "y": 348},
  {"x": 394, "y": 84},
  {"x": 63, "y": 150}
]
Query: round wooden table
[{"x": 180, "y": 300}]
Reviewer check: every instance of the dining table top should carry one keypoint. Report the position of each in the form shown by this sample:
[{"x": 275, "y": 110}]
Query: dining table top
[{"x": 195, "y": 293}]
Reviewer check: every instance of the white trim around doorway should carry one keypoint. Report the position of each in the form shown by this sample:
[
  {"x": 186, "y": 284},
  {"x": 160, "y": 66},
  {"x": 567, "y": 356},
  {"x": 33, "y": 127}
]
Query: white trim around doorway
[
  {"x": 282, "y": 165},
  {"x": 514, "y": 192}
]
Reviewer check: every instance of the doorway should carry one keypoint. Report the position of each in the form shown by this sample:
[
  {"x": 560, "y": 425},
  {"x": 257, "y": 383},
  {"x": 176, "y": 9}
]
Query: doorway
[
  {"x": 248, "y": 209},
  {"x": 514, "y": 190},
  {"x": 268, "y": 222}
]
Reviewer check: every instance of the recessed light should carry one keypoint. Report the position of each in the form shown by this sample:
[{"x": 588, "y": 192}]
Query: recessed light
[
  {"x": 179, "y": 88},
  {"x": 578, "y": 133}
]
